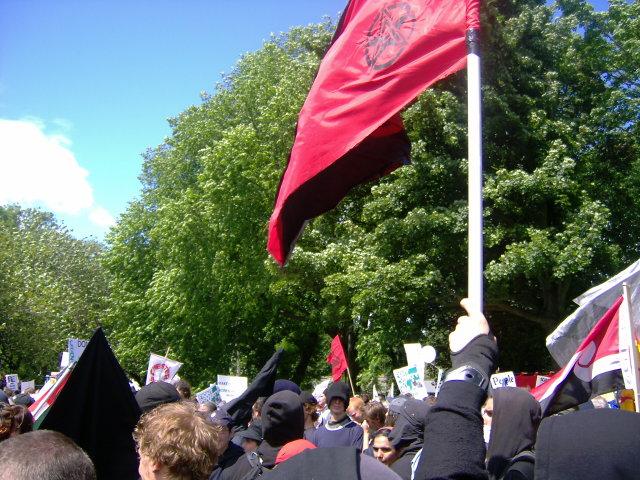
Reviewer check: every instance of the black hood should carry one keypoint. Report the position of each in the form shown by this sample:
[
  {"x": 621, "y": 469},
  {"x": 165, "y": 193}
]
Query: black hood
[
  {"x": 155, "y": 394},
  {"x": 516, "y": 416},
  {"x": 590, "y": 445},
  {"x": 408, "y": 431},
  {"x": 282, "y": 419}
]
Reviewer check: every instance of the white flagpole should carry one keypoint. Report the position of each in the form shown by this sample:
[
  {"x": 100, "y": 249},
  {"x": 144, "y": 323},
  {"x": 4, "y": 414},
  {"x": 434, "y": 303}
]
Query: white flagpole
[
  {"x": 475, "y": 258},
  {"x": 627, "y": 344}
]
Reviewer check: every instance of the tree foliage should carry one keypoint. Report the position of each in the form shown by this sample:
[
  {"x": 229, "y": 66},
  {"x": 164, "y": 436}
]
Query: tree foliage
[
  {"x": 188, "y": 262},
  {"x": 52, "y": 287}
]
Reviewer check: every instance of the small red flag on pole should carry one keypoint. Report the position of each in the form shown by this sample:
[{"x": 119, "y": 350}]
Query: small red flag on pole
[{"x": 337, "y": 359}]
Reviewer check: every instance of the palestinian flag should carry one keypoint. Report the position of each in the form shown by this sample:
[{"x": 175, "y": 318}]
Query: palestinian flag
[
  {"x": 593, "y": 369},
  {"x": 49, "y": 394}
]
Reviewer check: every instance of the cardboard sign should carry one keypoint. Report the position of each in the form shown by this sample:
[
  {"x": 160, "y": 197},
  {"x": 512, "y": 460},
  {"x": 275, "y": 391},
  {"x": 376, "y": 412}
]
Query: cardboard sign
[
  {"x": 504, "y": 379},
  {"x": 414, "y": 357},
  {"x": 540, "y": 379},
  {"x": 12, "y": 381},
  {"x": 76, "y": 346},
  {"x": 408, "y": 380},
  {"x": 209, "y": 394},
  {"x": 161, "y": 369},
  {"x": 231, "y": 386},
  {"x": 26, "y": 385}
]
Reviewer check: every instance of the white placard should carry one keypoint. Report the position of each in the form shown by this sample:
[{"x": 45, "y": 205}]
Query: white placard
[
  {"x": 76, "y": 346},
  {"x": 414, "y": 357},
  {"x": 209, "y": 394},
  {"x": 231, "y": 386},
  {"x": 64, "y": 360},
  {"x": 12, "y": 381},
  {"x": 319, "y": 389},
  {"x": 26, "y": 385},
  {"x": 430, "y": 385},
  {"x": 408, "y": 380},
  {"x": 161, "y": 369},
  {"x": 540, "y": 379},
  {"x": 504, "y": 379},
  {"x": 375, "y": 395}
]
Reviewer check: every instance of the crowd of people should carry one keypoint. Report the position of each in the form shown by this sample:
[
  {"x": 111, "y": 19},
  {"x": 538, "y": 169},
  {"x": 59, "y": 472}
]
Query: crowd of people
[{"x": 467, "y": 432}]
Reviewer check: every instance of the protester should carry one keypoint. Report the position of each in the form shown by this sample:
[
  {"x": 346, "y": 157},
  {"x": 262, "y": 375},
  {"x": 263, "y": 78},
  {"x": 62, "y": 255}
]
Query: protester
[
  {"x": 310, "y": 406},
  {"x": 23, "y": 399},
  {"x": 44, "y": 455},
  {"x": 251, "y": 438},
  {"x": 282, "y": 422},
  {"x": 156, "y": 394},
  {"x": 355, "y": 410},
  {"x": 339, "y": 430},
  {"x": 292, "y": 449},
  {"x": 284, "y": 384},
  {"x": 14, "y": 420},
  {"x": 231, "y": 451},
  {"x": 184, "y": 389},
  {"x": 374, "y": 416},
  {"x": 207, "y": 407},
  {"x": 407, "y": 433},
  {"x": 175, "y": 441},
  {"x": 487, "y": 417},
  {"x": 382, "y": 448},
  {"x": 515, "y": 420}
]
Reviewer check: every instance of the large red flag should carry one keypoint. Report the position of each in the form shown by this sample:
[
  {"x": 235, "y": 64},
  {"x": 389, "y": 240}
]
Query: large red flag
[
  {"x": 337, "y": 359},
  {"x": 593, "y": 369},
  {"x": 383, "y": 55}
]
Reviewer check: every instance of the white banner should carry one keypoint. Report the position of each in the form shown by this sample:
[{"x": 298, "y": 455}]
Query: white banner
[
  {"x": 504, "y": 379},
  {"x": 414, "y": 357},
  {"x": 12, "y": 381},
  {"x": 408, "y": 380},
  {"x": 76, "y": 346},
  {"x": 161, "y": 369},
  {"x": 26, "y": 385},
  {"x": 231, "y": 386}
]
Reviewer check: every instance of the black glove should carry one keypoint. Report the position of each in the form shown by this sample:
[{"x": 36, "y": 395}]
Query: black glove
[{"x": 481, "y": 352}]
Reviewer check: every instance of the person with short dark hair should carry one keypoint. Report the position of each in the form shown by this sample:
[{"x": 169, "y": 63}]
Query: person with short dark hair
[
  {"x": 310, "y": 407},
  {"x": 45, "y": 455},
  {"x": 156, "y": 394},
  {"x": 184, "y": 389}
]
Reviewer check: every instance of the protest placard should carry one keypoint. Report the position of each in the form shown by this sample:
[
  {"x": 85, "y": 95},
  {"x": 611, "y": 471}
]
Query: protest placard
[
  {"x": 504, "y": 379},
  {"x": 64, "y": 360},
  {"x": 26, "y": 385},
  {"x": 12, "y": 381},
  {"x": 540, "y": 379},
  {"x": 408, "y": 380},
  {"x": 414, "y": 357},
  {"x": 209, "y": 394},
  {"x": 161, "y": 369},
  {"x": 76, "y": 346},
  {"x": 231, "y": 386}
]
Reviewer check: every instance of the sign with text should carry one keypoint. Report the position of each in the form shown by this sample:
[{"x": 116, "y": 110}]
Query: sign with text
[
  {"x": 540, "y": 379},
  {"x": 75, "y": 347},
  {"x": 26, "y": 385},
  {"x": 504, "y": 379},
  {"x": 209, "y": 394},
  {"x": 12, "y": 381},
  {"x": 408, "y": 380},
  {"x": 161, "y": 369},
  {"x": 231, "y": 386}
]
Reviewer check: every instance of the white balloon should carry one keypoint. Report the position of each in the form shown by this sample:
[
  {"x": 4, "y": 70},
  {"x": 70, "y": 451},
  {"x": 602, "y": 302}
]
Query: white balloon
[{"x": 428, "y": 354}]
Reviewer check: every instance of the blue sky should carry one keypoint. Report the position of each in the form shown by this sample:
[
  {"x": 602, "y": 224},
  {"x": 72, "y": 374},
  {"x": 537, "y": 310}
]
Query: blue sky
[{"x": 86, "y": 86}]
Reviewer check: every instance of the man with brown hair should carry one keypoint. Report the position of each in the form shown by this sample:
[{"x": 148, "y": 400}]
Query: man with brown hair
[{"x": 177, "y": 442}]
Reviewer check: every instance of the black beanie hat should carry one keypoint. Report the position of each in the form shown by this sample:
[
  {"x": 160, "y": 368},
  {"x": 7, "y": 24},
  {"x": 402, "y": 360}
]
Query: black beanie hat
[
  {"x": 282, "y": 418},
  {"x": 338, "y": 390},
  {"x": 154, "y": 394}
]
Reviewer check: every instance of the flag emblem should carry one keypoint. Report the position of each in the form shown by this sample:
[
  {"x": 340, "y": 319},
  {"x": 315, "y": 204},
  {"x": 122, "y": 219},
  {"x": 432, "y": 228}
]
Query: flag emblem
[{"x": 389, "y": 35}]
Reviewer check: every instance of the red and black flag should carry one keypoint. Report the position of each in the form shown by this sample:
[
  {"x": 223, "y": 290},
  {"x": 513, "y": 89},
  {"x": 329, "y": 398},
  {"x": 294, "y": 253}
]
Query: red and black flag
[
  {"x": 337, "y": 359},
  {"x": 383, "y": 55},
  {"x": 594, "y": 368}
]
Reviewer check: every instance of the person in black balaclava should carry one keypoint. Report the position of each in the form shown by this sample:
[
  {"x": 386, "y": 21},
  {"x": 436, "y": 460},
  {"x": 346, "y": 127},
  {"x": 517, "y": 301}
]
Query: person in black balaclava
[
  {"x": 282, "y": 421},
  {"x": 516, "y": 416},
  {"x": 155, "y": 394},
  {"x": 406, "y": 435}
]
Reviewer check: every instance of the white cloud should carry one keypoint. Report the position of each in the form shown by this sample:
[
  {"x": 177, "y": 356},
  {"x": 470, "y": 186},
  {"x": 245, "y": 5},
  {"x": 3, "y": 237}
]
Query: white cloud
[
  {"x": 101, "y": 217},
  {"x": 40, "y": 169}
]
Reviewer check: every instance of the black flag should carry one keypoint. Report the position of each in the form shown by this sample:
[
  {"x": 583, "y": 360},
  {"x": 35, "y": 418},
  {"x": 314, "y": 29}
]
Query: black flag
[{"x": 98, "y": 411}]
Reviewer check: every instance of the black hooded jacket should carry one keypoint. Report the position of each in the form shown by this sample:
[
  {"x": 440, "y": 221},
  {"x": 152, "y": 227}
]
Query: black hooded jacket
[
  {"x": 282, "y": 422},
  {"x": 407, "y": 434},
  {"x": 516, "y": 417}
]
